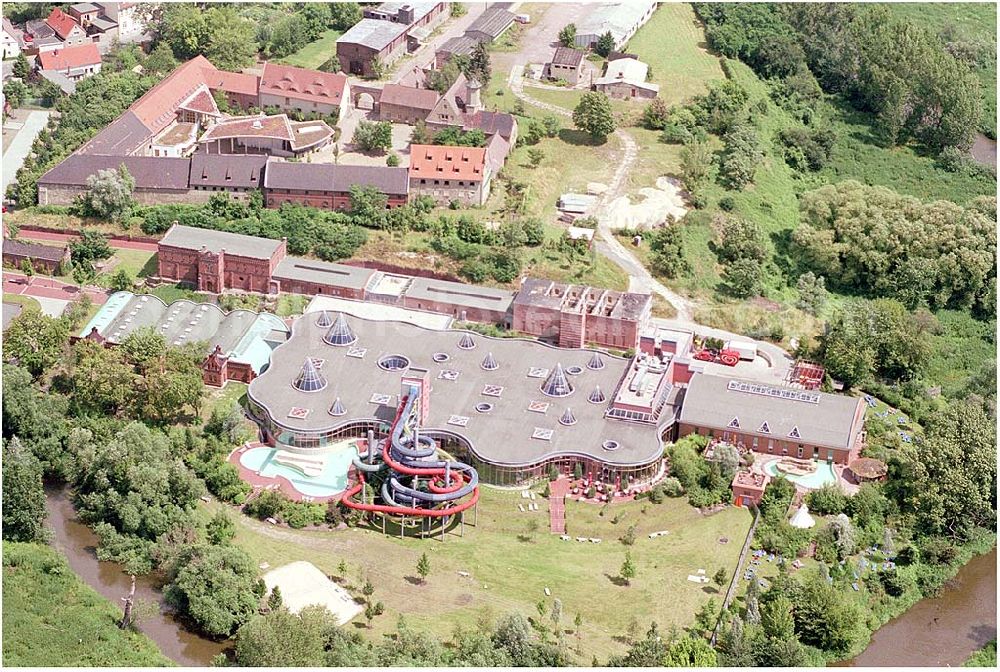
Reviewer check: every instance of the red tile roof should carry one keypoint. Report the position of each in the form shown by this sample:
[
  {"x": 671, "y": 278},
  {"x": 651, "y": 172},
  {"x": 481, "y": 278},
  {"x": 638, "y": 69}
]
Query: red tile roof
[
  {"x": 71, "y": 57},
  {"x": 61, "y": 22},
  {"x": 408, "y": 96},
  {"x": 158, "y": 106},
  {"x": 231, "y": 82},
  {"x": 302, "y": 84},
  {"x": 202, "y": 102},
  {"x": 446, "y": 162},
  {"x": 275, "y": 126}
]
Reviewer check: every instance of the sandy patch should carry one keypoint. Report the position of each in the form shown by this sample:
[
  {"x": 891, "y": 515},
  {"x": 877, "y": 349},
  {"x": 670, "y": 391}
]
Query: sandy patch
[
  {"x": 656, "y": 204},
  {"x": 303, "y": 584}
]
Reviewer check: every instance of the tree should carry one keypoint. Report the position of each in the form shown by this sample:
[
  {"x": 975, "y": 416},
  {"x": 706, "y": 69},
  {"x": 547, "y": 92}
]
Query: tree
[
  {"x": 282, "y": 638},
  {"x": 690, "y": 652},
  {"x": 812, "y": 293},
  {"x": 777, "y": 620},
  {"x": 21, "y": 68},
  {"x": 23, "y": 494},
  {"x": 742, "y": 156},
  {"x": 161, "y": 60},
  {"x": 392, "y": 160},
  {"x": 368, "y": 205},
  {"x": 655, "y": 115},
  {"x": 373, "y": 610},
  {"x": 696, "y": 164},
  {"x": 753, "y": 615},
  {"x": 605, "y": 45},
  {"x": 720, "y": 577},
  {"x": 667, "y": 247},
  {"x": 27, "y": 267},
  {"x": 535, "y": 156},
  {"x": 342, "y": 568},
  {"x": 420, "y": 134},
  {"x": 109, "y": 194},
  {"x": 704, "y": 620},
  {"x": 479, "y": 64},
  {"x": 121, "y": 281},
  {"x": 274, "y": 601},
  {"x": 230, "y": 39},
  {"x": 593, "y": 114},
  {"x": 825, "y": 617},
  {"x": 740, "y": 239},
  {"x": 92, "y": 246},
  {"x": 423, "y": 567},
  {"x": 35, "y": 341},
  {"x": 343, "y": 15},
  {"x": 628, "y": 570},
  {"x": 220, "y": 529},
  {"x": 745, "y": 278},
  {"x": 216, "y": 587},
  {"x": 552, "y": 125},
  {"x": 567, "y": 36},
  {"x": 555, "y": 615},
  {"x": 373, "y": 136}
]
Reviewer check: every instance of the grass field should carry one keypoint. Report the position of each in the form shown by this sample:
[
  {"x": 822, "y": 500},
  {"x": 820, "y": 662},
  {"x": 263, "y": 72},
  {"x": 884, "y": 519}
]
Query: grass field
[
  {"x": 176, "y": 292},
  {"x": 137, "y": 263},
  {"x": 511, "y": 574},
  {"x": 315, "y": 53},
  {"x": 52, "y": 619},
  {"x": 26, "y": 301},
  {"x": 673, "y": 44}
]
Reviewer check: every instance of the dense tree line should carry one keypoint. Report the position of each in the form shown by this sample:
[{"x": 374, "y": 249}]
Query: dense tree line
[
  {"x": 875, "y": 241},
  {"x": 904, "y": 75}
]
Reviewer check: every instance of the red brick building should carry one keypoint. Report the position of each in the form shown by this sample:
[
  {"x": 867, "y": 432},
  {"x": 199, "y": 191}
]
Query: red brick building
[
  {"x": 748, "y": 488},
  {"x": 43, "y": 258},
  {"x": 328, "y": 186},
  {"x": 573, "y": 315},
  {"x": 214, "y": 260}
]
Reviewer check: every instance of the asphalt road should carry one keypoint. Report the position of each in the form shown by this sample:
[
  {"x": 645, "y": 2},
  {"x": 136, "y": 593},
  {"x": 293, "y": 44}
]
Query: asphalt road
[{"x": 27, "y": 125}]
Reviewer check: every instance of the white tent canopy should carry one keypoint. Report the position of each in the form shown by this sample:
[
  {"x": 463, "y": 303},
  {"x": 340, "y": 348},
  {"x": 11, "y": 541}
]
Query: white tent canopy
[{"x": 801, "y": 519}]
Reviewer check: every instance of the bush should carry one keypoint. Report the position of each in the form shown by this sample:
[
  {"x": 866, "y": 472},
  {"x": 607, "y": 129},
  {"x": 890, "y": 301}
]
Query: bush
[
  {"x": 671, "y": 487},
  {"x": 828, "y": 500},
  {"x": 727, "y": 203}
]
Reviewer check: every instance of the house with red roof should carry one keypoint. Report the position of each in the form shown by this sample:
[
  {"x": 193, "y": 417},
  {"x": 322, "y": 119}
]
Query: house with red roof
[
  {"x": 447, "y": 173},
  {"x": 68, "y": 30},
  {"x": 74, "y": 63},
  {"x": 289, "y": 88}
]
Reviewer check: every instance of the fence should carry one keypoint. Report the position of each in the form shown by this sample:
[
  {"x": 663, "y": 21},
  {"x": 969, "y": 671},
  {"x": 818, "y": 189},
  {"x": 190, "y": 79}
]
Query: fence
[{"x": 736, "y": 574}]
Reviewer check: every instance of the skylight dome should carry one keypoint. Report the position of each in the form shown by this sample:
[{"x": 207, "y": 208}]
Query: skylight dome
[
  {"x": 567, "y": 417},
  {"x": 338, "y": 408},
  {"x": 466, "y": 342},
  {"x": 489, "y": 362},
  {"x": 340, "y": 333},
  {"x": 596, "y": 362},
  {"x": 309, "y": 378},
  {"x": 597, "y": 396},
  {"x": 557, "y": 385},
  {"x": 324, "y": 319}
]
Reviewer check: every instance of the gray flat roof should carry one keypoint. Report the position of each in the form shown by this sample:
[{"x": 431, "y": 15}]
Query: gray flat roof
[
  {"x": 709, "y": 402},
  {"x": 492, "y": 22},
  {"x": 472, "y": 296},
  {"x": 373, "y": 33},
  {"x": 501, "y": 436},
  {"x": 324, "y": 272},
  {"x": 192, "y": 238}
]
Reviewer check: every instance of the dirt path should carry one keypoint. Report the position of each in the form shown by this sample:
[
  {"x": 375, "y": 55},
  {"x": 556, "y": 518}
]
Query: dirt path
[{"x": 640, "y": 279}]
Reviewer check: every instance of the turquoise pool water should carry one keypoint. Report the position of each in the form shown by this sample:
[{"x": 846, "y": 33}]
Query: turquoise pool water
[
  {"x": 330, "y": 482},
  {"x": 823, "y": 475}
]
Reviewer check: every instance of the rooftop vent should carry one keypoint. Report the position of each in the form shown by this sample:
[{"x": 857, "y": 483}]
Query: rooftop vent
[
  {"x": 466, "y": 342},
  {"x": 324, "y": 319},
  {"x": 597, "y": 396},
  {"x": 557, "y": 385},
  {"x": 309, "y": 378},
  {"x": 489, "y": 363},
  {"x": 393, "y": 362},
  {"x": 256, "y": 124},
  {"x": 596, "y": 362},
  {"x": 338, "y": 409},
  {"x": 340, "y": 333},
  {"x": 567, "y": 417}
]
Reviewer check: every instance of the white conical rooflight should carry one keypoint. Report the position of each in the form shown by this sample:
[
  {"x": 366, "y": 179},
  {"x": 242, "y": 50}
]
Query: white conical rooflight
[
  {"x": 489, "y": 362},
  {"x": 338, "y": 408},
  {"x": 557, "y": 385},
  {"x": 596, "y": 362},
  {"x": 466, "y": 342},
  {"x": 309, "y": 378},
  {"x": 340, "y": 333},
  {"x": 324, "y": 319},
  {"x": 567, "y": 417},
  {"x": 596, "y": 397}
]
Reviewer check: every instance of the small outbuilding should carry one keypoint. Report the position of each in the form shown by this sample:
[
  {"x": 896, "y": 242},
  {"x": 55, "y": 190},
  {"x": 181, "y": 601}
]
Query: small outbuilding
[
  {"x": 626, "y": 78},
  {"x": 868, "y": 469},
  {"x": 566, "y": 64},
  {"x": 748, "y": 487}
]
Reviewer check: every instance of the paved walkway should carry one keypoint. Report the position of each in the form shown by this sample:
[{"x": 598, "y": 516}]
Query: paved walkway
[
  {"x": 49, "y": 288},
  {"x": 557, "y": 505},
  {"x": 28, "y": 124}
]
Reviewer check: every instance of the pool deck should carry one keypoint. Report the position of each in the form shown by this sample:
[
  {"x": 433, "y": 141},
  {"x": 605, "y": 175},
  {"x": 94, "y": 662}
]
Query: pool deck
[
  {"x": 260, "y": 483},
  {"x": 844, "y": 480}
]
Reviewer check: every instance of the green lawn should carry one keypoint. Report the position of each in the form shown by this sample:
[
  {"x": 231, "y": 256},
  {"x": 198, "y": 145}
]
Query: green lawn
[
  {"x": 511, "y": 574},
  {"x": 170, "y": 293},
  {"x": 315, "y": 53},
  {"x": 291, "y": 304},
  {"x": 216, "y": 397},
  {"x": 27, "y": 302},
  {"x": 673, "y": 44},
  {"x": 52, "y": 619},
  {"x": 137, "y": 263}
]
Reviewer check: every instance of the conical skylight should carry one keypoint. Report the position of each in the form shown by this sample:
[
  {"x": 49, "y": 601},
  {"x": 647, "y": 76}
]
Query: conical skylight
[
  {"x": 596, "y": 362},
  {"x": 466, "y": 342},
  {"x": 340, "y": 333},
  {"x": 324, "y": 319},
  {"x": 338, "y": 408},
  {"x": 489, "y": 362},
  {"x": 309, "y": 378},
  {"x": 567, "y": 417},
  {"x": 596, "y": 397},
  {"x": 557, "y": 385}
]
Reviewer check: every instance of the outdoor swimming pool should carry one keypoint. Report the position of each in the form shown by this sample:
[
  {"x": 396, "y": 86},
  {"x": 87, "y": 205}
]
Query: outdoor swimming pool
[
  {"x": 330, "y": 481},
  {"x": 823, "y": 475}
]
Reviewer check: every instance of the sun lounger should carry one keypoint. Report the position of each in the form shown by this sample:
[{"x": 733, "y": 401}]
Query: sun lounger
[
  {"x": 581, "y": 538},
  {"x": 855, "y": 587},
  {"x": 521, "y": 507},
  {"x": 565, "y": 537}
]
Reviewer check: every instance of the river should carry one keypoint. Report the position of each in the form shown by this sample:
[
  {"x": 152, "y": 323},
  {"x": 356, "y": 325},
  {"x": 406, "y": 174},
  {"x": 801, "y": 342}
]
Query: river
[
  {"x": 78, "y": 544},
  {"x": 943, "y": 630},
  {"x": 984, "y": 150}
]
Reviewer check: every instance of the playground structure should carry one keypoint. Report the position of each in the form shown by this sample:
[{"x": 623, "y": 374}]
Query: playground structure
[
  {"x": 401, "y": 478},
  {"x": 718, "y": 356},
  {"x": 795, "y": 467}
]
